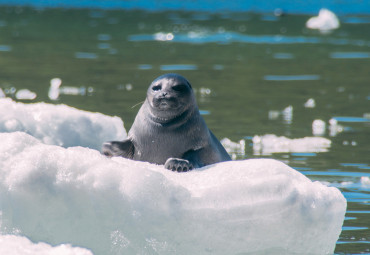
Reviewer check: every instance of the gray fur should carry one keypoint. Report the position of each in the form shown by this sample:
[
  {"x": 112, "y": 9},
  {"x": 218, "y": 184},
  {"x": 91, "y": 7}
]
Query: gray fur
[{"x": 169, "y": 129}]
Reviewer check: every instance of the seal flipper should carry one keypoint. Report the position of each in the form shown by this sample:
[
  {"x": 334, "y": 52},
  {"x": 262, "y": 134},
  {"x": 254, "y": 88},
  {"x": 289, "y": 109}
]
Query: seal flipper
[
  {"x": 179, "y": 165},
  {"x": 124, "y": 149}
]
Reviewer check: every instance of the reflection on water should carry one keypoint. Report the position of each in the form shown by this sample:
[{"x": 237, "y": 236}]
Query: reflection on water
[
  {"x": 178, "y": 67},
  {"x": 350, "y": 55},
  {"x": 304, "y": 77},
  {"x": 5, "y": 48},
  {"x": 86, "y": 55},
  {"x": 252, "y": 74}
]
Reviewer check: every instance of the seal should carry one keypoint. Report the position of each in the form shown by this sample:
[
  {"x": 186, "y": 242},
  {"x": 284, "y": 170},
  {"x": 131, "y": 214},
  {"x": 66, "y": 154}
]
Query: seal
[{"x": 169, "y": 129}]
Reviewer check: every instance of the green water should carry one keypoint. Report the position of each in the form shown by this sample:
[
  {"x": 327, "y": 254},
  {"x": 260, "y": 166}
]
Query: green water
[{"x": 234, "y": 61}]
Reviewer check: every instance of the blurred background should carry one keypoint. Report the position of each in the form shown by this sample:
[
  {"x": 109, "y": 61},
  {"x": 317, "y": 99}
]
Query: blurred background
[{"x": 291, "y": 69}]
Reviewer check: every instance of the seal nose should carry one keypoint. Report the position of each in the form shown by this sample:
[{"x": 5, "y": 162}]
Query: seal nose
[{"x": 164, "y": 94}]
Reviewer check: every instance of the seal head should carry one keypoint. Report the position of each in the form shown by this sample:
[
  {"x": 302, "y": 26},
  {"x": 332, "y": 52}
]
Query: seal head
[{"x": 169, "y": 97}]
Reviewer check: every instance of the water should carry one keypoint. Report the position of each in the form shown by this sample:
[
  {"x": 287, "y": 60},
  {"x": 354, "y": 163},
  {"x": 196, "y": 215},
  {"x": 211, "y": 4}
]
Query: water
[{"x": 252, "y": 76}]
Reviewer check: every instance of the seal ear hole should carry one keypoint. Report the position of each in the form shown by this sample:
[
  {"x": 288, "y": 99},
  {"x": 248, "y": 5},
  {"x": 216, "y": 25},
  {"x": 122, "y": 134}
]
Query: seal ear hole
[{"x": 157, "y": 87}]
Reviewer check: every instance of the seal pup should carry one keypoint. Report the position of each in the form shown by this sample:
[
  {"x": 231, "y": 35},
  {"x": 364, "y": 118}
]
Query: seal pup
[{"x": 169, "y": 130}]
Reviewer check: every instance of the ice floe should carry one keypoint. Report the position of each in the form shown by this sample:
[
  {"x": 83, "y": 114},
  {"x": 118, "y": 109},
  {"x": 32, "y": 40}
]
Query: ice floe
[
  {"x": 79, "y": 197},
  {"x": 269, "y": 143},
  {"x": 60, "y": 124},
  {"x": 325, "y": 21},
  {"x": 73, "y": 200},
  {"x": 233, "y": 148},
  {"x": 25, "y": 94},
  {"x": 318, "y": 127}
]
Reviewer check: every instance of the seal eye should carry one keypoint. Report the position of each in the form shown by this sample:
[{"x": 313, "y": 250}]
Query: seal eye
[
  {"x": 157, "y": 87},
  {"x": 179, "y": 88}
]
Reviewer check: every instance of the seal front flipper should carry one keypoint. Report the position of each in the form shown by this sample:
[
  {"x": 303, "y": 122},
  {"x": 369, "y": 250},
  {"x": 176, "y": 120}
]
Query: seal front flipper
[
  {"x": 179, "y": 165},
  {"x": 124, "y": 149}
]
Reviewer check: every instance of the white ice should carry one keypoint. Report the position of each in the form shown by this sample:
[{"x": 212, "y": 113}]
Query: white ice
[
  {"x": 318, "y": 127},
  {"x": 268, "y": 144},
  {"x": 18, "y": 245},
  {"x": 78, "y": 197},
  {"x": 60, "y": 124},
  {"x": 25, "y": 94},
  {"x": 325, "y": 21}
]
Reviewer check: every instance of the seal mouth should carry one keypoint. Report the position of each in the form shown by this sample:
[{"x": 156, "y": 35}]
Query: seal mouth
[{"x": 165, "y": 104}]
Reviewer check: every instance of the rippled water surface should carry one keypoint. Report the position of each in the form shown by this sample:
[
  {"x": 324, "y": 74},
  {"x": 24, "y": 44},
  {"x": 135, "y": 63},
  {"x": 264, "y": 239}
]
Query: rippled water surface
[{"x": 253, "y": 75}]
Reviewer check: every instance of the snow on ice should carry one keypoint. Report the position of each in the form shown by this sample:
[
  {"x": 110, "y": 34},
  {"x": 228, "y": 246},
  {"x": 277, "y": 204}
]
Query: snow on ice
[{"x": 60, "y": 124}]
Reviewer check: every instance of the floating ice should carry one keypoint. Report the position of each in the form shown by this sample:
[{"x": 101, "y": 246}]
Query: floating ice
[
  {"x": 60, "y": 124},
  {"x": 234, "y": 148},
  {"x": 365, "y": 181},
  {"x": 118, "y": 206},
  {"x": 310, "y": 103},
  {"x": 318, "y": 127},
  {"x": 268, "y": 144},
  {"x": 18, "y": 245},
  {"x": 334, "y": 127},
  {"x": 288, "y": 114},
  {"x": 326, "y": 21},
  {"x": 54, "y": 88},
  {"x": 25, "y": 94}
]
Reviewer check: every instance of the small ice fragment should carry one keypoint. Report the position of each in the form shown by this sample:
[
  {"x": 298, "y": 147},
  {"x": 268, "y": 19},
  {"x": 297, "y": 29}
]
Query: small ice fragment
[
  {"x": 288, "y": 114},
  {"x": 325, "y": 21},
  {"x": 25, "y": 94},
  {"x": 129, "y": 86},
  {"x": 75, "y": 91},
  {"x": 269, "y": 143},
  {"x": 334, "y": 127},
  {"x": 310, "y": 103},
  {"x": 365, "y": 181},
  {"x": 234, "y": 148},
  {"x": 163, "y": 36},
  {"x": 205, "y": 91},
  {"x": 54, "y": 88},
  {"x": 273, "y": 115},
  {"x": 318, "y": 127}
]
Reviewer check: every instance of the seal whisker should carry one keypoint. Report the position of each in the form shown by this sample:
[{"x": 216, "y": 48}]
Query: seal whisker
[{"x": 137, "y": 104}]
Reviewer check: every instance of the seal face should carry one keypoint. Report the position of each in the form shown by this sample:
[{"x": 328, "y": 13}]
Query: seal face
[{"x": 169, "y": 130}]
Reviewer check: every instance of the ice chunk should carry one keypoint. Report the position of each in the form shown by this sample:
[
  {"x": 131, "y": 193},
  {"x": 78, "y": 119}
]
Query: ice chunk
[
  {"x": 365, "y": 181},
  {"x": 268, "y": 144},
  {"x": 233, "y": 148},
  {"x": 119, "y": 206},
  {"x": 318, "y": 127},
  {"x": 18, "y": 245},
  {"x": 310, "y": 103},
  {"x": 54, "y": 88},
  {"x": 326, "y": 21},
  {"x": 60, "y": 124},
  {"x": 288, "y": 114},
  {"x": 25, "y": 94},
  {"x": 334, "y": 127}
]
